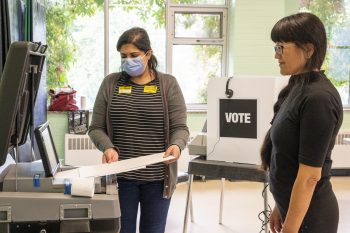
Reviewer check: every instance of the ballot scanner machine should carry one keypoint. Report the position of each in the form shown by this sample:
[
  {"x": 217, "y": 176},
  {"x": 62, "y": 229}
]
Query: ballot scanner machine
[{"x": 30, "y": 199}]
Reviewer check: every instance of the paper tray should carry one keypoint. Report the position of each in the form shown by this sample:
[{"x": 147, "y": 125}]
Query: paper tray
[{"x": 198, "y": 146}]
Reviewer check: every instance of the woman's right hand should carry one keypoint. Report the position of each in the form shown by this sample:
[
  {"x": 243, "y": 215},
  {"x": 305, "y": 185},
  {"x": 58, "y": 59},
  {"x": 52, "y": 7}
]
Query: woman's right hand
[
  {"x": 110, "y": 155},
  {"x": 275, "y": 221}
]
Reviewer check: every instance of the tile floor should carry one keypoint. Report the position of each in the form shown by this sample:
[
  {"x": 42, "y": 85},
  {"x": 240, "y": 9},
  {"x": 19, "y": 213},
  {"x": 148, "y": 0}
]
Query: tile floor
[{"x": 242, "y": 203}]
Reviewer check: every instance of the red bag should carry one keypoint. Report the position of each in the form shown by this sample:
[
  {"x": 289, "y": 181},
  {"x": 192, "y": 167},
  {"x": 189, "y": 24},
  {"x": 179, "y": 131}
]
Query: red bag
[{"x": 63, "y": 101}]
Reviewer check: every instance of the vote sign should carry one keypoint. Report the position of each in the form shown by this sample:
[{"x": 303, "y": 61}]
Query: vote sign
[{"x": 238, "y": 118}]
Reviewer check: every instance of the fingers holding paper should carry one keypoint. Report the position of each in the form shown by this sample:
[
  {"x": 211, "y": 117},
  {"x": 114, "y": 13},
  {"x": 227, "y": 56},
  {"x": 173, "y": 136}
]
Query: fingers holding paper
[
  {"x": 172, "y": 150},
  {"x": 110, "y": 155}
]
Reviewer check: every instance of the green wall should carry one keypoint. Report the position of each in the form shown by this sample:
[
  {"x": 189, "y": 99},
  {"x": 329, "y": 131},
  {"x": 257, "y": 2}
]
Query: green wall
[
  {"x": 346, "y": 120},
  {"x": 250, "y": 47},
  {"x": 59, "y": 127},
  {"x": 253, "y": 20}
]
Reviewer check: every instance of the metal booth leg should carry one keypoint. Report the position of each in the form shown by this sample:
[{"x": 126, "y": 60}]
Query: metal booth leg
[
  {"x": 191, "y": 209},
  {"x": 266, "y": 208},
  {"x": 221, "y": 199},
  {"x": 188, "y": 202}
]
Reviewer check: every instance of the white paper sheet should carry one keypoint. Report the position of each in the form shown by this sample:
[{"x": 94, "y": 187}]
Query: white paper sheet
[{"x": 111, "y": 168}]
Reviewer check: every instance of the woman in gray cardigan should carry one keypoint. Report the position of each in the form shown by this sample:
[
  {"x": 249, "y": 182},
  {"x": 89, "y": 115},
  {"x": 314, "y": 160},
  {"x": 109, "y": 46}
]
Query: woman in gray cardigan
[{"x": 137, "y": 112}]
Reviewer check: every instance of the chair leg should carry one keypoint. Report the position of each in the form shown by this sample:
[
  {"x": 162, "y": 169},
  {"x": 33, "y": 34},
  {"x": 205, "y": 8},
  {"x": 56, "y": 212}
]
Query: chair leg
[
  {"x": 266, "y": 208},
  {"x": 191, "y": 210},
  {"x": 188, "y": 200},
  {"x": 221, "y": 199}
]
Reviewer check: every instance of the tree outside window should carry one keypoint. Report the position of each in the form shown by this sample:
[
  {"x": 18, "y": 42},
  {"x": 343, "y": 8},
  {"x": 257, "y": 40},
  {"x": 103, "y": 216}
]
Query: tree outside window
[
  {"x": 335, "y": 14},
  {"x": 75, "y": 40}
]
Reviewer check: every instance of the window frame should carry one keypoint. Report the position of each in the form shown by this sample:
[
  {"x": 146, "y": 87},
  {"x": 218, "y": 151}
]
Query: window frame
[{"x": 171, "y": 40}]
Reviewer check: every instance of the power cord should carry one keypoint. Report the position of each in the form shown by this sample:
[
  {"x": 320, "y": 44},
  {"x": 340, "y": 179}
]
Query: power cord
[
  {"x": 213, "y": 148},
  {"x": 265, "y": 214}
]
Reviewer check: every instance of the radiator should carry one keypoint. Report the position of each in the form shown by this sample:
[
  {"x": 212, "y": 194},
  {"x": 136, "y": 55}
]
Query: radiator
[
  {"x": 340, "y": 138},
  {"x": 341, "y": 151},
  {"x": 79, "y": 150}
]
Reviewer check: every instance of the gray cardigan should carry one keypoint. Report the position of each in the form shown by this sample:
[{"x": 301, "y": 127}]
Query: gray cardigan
[{"x": 175, "y": 116}]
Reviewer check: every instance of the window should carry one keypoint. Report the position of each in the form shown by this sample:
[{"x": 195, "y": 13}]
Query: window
[
  {"x": 74, "y": 36},
  {"x": 76, "y": 39},
  {"x": 336, "y": 17},
  {"x": 199, "y": 2},
  {"x": 85, "y": 74},
  {"x": 197, "y": 25},
  {"x": 193, "y": 67},
  {"x": 196, "y": 45},
  {"x": 137, "y": 13},
  {"x": 82, "y": 40}
]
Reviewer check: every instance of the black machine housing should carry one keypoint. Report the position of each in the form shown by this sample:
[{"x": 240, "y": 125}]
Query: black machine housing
[{"x": 18, "y": 89}]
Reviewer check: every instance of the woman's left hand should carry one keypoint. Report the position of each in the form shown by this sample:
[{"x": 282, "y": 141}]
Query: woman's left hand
[{"x": 173, "y": 150}]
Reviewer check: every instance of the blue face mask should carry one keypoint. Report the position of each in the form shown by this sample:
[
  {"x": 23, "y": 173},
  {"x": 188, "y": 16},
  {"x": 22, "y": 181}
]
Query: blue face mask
[{"x": 133, "y": 66}]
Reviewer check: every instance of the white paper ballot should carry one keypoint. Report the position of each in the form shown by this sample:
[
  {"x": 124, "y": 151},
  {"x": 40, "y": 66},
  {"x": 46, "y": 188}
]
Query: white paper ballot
[
  {"x": 83, "y": 187},
  {"x": 111, "y": 168}
]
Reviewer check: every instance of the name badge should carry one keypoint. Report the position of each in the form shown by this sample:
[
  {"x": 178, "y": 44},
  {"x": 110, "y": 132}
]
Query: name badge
[
  {"x": 150, "y": 89},
  {"x": 124, "y": 90}
]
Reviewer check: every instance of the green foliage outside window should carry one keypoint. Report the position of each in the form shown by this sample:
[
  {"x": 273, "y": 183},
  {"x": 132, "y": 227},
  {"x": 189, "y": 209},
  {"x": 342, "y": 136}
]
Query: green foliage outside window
[
  {"x": 333, "y": 14},
  {"x": 60, "y": 16}
]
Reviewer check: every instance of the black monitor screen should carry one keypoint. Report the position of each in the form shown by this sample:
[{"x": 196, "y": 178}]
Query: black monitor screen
[
  {"x": 18, "y": 90},
  {"x": 47, "y": 149}
]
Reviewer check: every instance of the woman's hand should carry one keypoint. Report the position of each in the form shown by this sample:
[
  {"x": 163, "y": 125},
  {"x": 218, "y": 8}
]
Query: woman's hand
[
  {"x": 110, "y": 155},
  {"x": 275, "y": 221},
  {"x": 173, "y": 150}
]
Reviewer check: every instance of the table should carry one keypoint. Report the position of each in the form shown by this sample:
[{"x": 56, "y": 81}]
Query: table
[{"x": 224, "y": 170}]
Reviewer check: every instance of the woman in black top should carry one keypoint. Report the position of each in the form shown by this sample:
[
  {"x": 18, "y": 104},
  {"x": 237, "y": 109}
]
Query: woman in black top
[{"x": 308, "y": 114}]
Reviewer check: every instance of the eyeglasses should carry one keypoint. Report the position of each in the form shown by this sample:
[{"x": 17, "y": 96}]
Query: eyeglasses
[{"x": 278, "y": 49}]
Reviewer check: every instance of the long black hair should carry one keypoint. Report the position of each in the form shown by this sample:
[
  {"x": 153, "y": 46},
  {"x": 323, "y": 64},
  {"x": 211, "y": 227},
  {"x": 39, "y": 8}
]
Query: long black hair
[
  {"x": 300, "y": 29},
  {"x": 139, "y": 38}
]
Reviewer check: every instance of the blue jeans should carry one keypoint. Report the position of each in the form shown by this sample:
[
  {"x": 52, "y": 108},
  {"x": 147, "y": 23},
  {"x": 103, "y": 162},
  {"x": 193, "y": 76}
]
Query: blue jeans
[{"x": 153, "y": 207}]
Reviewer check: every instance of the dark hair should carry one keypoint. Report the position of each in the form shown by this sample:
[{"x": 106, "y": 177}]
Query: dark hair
[
  {"x": 301, "y": 28},
  {"x": 266, "y": 148},
  {"x": 140, "y": 39}
]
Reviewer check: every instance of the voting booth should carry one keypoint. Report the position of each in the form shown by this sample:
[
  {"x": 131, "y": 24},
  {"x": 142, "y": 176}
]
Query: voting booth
[
  {"x": 240, "y": 110},
  {"x": 30, "y": 200}
]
